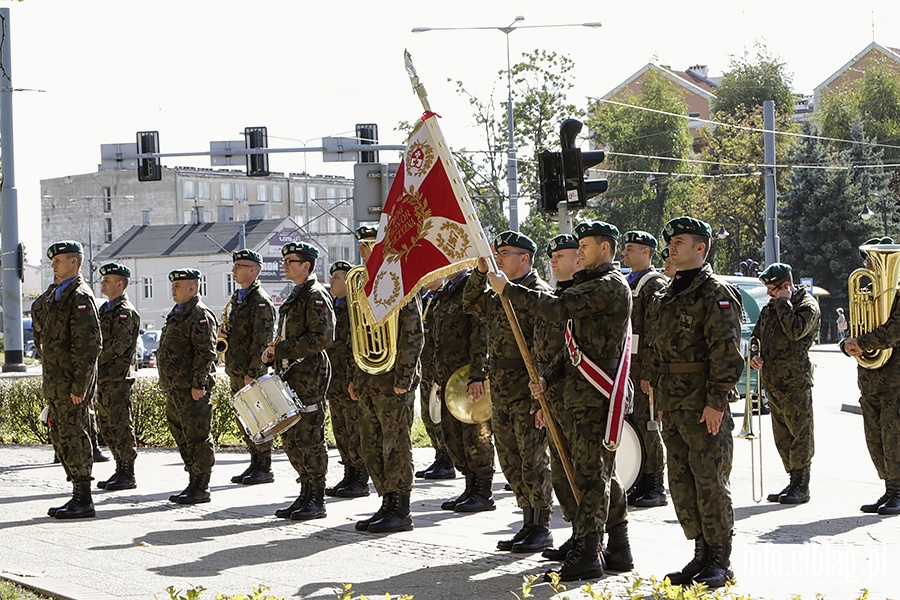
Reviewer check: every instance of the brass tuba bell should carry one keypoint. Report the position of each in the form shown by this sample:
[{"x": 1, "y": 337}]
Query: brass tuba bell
[
  {"x": 374, "y": 347},
  {"x": 870, "y": 307}
]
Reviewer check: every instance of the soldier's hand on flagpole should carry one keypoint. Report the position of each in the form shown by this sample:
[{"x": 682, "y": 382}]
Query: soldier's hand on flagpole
[
  {"x": 538, "y": 388},
  {"x": 482, "y": 265},
  {"x": 475, "y": 390},
  {"x": 498, "y": 281}
]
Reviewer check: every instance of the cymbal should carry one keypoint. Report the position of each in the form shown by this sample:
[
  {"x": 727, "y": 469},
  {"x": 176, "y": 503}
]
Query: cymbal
[{"x": 460, "y": 402}]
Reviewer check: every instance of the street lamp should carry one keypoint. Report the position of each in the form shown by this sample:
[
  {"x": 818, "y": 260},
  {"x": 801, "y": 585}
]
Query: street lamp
[
  {"x": 512, "y": 177},
  {"x": 723, "y": 233},
  {"x": 866, "y": 213}
]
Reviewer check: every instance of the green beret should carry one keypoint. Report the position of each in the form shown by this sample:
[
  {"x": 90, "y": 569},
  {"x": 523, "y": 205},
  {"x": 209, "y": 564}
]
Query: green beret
[
  {"x": 664, "y": 253},
  {"x": 561, "y": 242},
  {"x": 875, "y": 241},
  {"x": 184, "y": 274},
  {"x": 774, "y": 273},
  {"x": 299, "y": 248},
  {"x": 590, "y": 228},
  {"x": 247, "y": 254},
  {"x": 515, "y": 239},
  {"x": 115, "y": 269},
  {"x": 366, "y": 234},
  {"x": 341, "y": 265},
  {"x": 640, "y": 237},
  {"x": 67, "y": 247},
  {"x": 686, "y": 225}
]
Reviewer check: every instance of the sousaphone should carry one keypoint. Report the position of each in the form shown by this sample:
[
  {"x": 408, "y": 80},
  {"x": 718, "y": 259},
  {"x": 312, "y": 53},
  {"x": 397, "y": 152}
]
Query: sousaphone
[{"x": 460, "y": 402}]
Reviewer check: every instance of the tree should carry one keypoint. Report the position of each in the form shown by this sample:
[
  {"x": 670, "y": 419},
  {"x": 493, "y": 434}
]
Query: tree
[{"x": 747, "y": 85}]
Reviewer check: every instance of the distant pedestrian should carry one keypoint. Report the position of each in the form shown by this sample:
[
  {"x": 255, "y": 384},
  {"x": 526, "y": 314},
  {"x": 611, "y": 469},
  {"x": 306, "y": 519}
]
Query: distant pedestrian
[{"x": 841, "y": 324}]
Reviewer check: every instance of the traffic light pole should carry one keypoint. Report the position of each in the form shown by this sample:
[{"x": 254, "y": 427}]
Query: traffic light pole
[{"x": 565, "y": 218}]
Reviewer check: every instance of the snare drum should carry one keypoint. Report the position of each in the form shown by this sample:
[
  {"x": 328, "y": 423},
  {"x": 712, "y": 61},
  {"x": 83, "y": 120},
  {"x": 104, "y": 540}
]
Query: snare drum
[
  {"x": 266, "y": 407},
  {"x": 629, "y": 456}
]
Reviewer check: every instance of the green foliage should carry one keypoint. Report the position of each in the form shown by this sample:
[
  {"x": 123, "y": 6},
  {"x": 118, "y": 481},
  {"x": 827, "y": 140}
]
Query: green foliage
[
  {"x": 11, "y": 591},
  {"x": 345, "y": 592},
  {"x": 748, "y": 84},
  {"x": 21, "y": 403}
]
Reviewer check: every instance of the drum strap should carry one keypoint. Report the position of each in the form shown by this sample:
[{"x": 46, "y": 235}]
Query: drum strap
[{"x": 311, "y": 408}]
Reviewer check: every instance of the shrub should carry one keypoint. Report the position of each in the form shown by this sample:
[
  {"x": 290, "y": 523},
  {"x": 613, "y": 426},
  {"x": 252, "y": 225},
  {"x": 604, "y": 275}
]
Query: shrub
[{"x": 21, "y": 403}]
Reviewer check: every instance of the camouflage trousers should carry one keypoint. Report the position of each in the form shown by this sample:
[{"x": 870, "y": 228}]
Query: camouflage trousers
[
  {"x": 469, "y": 444},
  {"x": 189, "y": 423},
  {"x": 237, "y": 384},
  {"x": 69, "y": 425},
  {"x": 881, "y": 425},
  {"x": 345, "y": 426},
  {"x": 699, "y": 474},
  {"x": 385, "y": 421},
  {"x": 113, "y": 408},
  {"x": 522, "y": 450},
  {"x": 654, "y": 460},
  {"x": 561, "y": 486},
  {"x": 792, "y": 426},
  {"x": 304, "y": 445},
  {"x": 434, "y": 430}
]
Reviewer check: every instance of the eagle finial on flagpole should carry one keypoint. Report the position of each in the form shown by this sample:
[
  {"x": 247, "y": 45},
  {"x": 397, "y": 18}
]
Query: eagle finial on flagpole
[{"x": 418, "y": 87}]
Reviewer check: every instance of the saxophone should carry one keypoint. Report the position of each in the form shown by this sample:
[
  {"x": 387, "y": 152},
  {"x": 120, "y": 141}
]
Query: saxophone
[
  {"x": 224, "y": 330},
  {"x": 870, "y": 308},
  {"x": 374, "y": 347}
]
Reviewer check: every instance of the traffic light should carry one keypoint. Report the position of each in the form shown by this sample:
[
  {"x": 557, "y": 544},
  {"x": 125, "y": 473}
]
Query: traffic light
[
  {"x": 149, "y": 169},
  {"x": 367, "y": 134},
  {"x": 561, "y": 174},
  {"x": 257, "y": 164},
  {"x": 550, "y": 179}
]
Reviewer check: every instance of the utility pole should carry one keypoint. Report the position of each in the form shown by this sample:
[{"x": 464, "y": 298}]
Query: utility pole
[{"x": 773, "y": 246}]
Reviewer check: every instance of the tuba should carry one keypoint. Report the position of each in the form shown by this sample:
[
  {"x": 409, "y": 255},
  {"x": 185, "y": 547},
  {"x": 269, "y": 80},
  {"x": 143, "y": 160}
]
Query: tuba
[
  {"x": 871, "y": 307},
  {"x": 222, "y": 340},
  {"x": 374, "y": 346}
]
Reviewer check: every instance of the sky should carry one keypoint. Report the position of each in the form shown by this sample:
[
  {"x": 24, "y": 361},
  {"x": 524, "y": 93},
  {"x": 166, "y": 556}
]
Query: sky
[{"x": 95, "y": 72}]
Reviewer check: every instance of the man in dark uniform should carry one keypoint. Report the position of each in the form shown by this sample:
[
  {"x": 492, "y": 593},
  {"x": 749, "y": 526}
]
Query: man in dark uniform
[
  {"x": 786, "y": 330},
  {"x": 250, "y": 323},
  {"x": 695, "y": 367},
  {"x": 344, "y": 410},
  {"x": 521, "y": 446},
  {"x": 120, "y": 325},
  {"x": 597, "y": 310},
  {"x": 70, "y": 344},
  {"x": 305, "y": 330},
  {"x": 186, "y": 362},
  {"x": 456, "y": 340},
  {"x": 879, "y": 401},
  {"x": 645, "y": 281},
  {"x": 386, "y": 415}
]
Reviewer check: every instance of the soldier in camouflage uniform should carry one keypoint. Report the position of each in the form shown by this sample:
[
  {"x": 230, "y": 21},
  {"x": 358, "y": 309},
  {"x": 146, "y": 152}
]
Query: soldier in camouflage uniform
[
  {"x": 251, "y": 321},
  {"x": 120, "y": 325},
  {"x": 186, "y": 361},
  {"x": 668, "y": 268},
  {"x": 305, "y": 330},
  {"x": 521, "y": 445},
  {"x": 649, "y": 490},
  {"x": 344, "y": 410},
  {"x": 879, "y": 401},
  {"x": 786, "y": 330},
  {"x": 456, "y": 340},
  {"x": 70, "y": 344},
  {"x": 386, "y": 414},
  {"x": 597, "y": 309},
  {"x": 696, "y": 325}
]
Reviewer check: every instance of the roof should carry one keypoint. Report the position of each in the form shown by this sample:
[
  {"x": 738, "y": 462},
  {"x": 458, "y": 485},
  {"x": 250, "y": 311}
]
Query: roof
[
  {"x": 892, "y": 53},
  {"x": 693, "y": 82},
  {"x": 148, "y": 241}
]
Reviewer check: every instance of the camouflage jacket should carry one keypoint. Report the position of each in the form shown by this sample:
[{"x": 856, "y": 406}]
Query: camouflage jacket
[
  {"x": 407, "y": 371},
  {"x": 457, "y": 338},
  {"x": 786, "y": 330},
  {"x": 70, "y": 340},
  {"x": 251, "y": 323},
  {"x": 700, "y": 324},
  {"x": 428, "y": 349},
  {"x": 507, "y": 371},
  {"x": 305, "y": 330},
  {"x": 186, "y": 357},
  {"x": 641, "y": 298},
  {"x": 599, "y": 305},
  {"x": 549, "y": 336},
  {"x": 39, "y": 314},
  {"x": 120, "y": 325},
  {"x": 887, "y": 335},
  {"x": 340, "y": 352}
]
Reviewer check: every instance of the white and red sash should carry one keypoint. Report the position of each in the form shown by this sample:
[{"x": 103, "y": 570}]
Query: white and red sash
[{"x": 616, "y": 390}]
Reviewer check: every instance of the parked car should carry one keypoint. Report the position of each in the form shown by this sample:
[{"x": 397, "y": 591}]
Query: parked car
[
  {"x": 30, "y": 349},
  {"x": 754, "y": 297},
  {"x": 150, "y": 340}
]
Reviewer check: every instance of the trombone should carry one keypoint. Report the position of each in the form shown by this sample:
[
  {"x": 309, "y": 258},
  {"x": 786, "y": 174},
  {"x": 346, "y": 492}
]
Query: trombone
[{"x": 747, "y": 432}]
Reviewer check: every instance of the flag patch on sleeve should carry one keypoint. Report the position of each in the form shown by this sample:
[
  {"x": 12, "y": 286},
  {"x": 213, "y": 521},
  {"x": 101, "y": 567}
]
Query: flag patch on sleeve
[
  {"x": 123, "y": 317},
  {"x": 261, "y": 305},
  {"x": 81, "y": 307},
  {"x": 724, "y": 304},
  {"x": 319, "y": 303}
]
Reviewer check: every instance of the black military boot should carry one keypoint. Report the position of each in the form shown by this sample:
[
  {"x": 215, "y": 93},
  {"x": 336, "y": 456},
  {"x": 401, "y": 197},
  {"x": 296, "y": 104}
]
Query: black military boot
[
  {"x": 358, "y": 486},
  {"x": 562, "y": 552},
  {"x": 397, "y": 517},
  {"x": 617, "y": 554},
  {"x": 891, "y": 506},
  {"x": 81, "y": 505},
  {"x": 481, "y": 499},
  {"x": 470, "y": 488},
  {"x": 348, "y": 475},
  {"x": 637, "y": 490},
  {"x": 174, "y": 497},
  {"x": 717, "y": 571},
  {"x": 239, "y": 478},
  {"x": 364, "y": 524},
  {"x": 583, "y": 562},
  {"x": 442, "y": 467},
  {"x": 51, "y": 512},
  {"x": 298, "y": 503},
  {"x": 102, "y": 483},
  {"x": 98, "y": 453},
  {"x": 798, "y": 491},
  {"x": 527, "y": 518},
  {"x": 873, "y": 508},
  {"x": 124, "y": 478},
  {"x": 539, "y": 536},
  {"x": 263, "y": 471},
  {"x": 314, "y": 507},
  {"x": 199, "y": 493},
  {"x": 774, "y": 497},
  {"x": 654, "y": 494},
  {"x": 421, "y": 474},
  {"x": 698, "y": 563}
]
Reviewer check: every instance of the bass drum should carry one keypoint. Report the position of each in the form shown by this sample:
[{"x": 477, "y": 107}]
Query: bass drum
[{"x": 629, "y": 456}]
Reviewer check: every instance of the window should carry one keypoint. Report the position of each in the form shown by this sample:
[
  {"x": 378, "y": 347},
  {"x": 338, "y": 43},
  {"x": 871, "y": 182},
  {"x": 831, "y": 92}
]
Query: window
[
  {"x": 240, "y": 190},
  {"x": 261, "y": 192},
  {"x": 276, "y": 193},
  {"x": 312, "y": 192},
  {"x": 107, "y": 200},
  {"x": 147, "y": 288},
  {"x": 226, "y": 213},
  {"x": 348, "y": 254},
  {"x": 225, "y": 191},
  {"x": 299, "y": 194},
  {"x": 313, "y": 226},
  {"x": 204, "y": 190},
  {"x": 188, "y": 217},
  {"x": 107, "y": 235},
  {"x": 203, "y": 285},
  {"x": 257, "y": 211},
  {"x": 189, "y": 189},
  {"x": 229, "y": 285}
]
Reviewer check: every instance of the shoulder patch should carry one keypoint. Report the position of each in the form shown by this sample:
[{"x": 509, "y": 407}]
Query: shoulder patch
[
  {"x": 203, "y": 321},
  {"x": 123, "y": 317},
  {"x": 724, "y": 304},
  {"x": 81, "y": 307},
  {"x": 261, "y": 305},
  {"x": 319, "y": 303}
]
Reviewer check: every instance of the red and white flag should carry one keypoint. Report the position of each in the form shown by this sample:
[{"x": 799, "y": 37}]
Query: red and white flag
[{"x": 428, "y": 226}]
